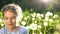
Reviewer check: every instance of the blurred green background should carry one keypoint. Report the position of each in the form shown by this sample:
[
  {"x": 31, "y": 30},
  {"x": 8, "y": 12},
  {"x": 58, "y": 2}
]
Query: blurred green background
[{"x": 39, "y": 16}]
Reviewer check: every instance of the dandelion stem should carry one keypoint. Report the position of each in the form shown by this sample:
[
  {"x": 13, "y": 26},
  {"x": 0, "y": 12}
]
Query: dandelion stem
[
  {"x": 45, "y": 30},
  {"x": 33, "y": 32}
]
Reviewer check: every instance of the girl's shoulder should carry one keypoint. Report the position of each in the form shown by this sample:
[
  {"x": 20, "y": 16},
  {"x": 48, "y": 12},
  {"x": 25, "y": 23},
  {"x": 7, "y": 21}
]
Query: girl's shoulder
[
  {"x": 22, "y": 28},
  {"x": 2, "y": 30}
]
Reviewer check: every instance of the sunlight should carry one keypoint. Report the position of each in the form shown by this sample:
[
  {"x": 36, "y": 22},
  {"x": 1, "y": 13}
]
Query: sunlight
[{"x": 45, "y": 1}]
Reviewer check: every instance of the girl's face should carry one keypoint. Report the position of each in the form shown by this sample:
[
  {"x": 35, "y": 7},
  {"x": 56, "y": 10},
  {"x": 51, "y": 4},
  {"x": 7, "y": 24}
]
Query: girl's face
[{"x": 10, "y": 19}]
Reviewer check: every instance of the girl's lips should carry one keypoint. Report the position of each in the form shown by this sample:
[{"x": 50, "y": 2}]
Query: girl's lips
[{"x": 10, "y": 24}]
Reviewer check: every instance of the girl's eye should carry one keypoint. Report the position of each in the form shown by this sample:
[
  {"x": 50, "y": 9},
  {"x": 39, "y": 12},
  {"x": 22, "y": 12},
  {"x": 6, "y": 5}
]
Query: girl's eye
[
  {"x": 6, "y": 18},
  {"x": 13, "y": 17}
]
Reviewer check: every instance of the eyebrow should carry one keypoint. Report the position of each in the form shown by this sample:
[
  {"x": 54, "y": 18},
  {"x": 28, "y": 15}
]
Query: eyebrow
[{"x": 12, "y": 16}]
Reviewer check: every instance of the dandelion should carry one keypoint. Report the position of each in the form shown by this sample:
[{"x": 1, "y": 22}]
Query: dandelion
[
  {"x": 50, "y": 20},
  {"x": 58, "y": 26},
  {"x": 23, "y": 23},
  {"x": 45, "y": 23},
  {"x": 42, "y": 15},
  {"x": 31, "y": 9},
  {"x": 28, "y": 16},
  {"x": 2, "y": 25},
  {"x": 41, "y": 33},
  {"x": 35, "y": 21},
  {"x": 33, "y": 18},
  {"x": 56, "y": 32},
  {"x": 33, "y": 15},
  {"x": 0, "y": 20},
  {"x": 49, "y": 14},
  {"x": 38, "y": 14},
  {"x": 46, "y": 18},
  {"x": 27, "y": 27},
  {"x": 39, "y": 18},
  {"x": 25, "y": 18},
  {"x": 33, "y": 26},
  {"x": 39, "y": 26},
  {"x": 34, "y": 33},
  {"x": 55, "y": 16}
]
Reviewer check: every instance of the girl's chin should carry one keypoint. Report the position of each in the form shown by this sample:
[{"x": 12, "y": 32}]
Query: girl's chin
[{"x": 10, "y": 26}]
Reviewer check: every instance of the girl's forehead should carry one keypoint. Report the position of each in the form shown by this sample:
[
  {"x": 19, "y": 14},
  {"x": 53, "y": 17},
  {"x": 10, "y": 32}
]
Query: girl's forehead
[
  {"x": 9, "y": 14},
  {"x": 10, "y": 11}
]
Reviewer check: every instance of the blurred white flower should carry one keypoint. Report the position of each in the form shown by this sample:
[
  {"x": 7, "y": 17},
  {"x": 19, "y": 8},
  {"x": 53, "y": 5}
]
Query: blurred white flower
[
  {"x": 45, "y": 24},
  {"x": 2, "y": 25},
  {"x": 23, "y": 23},
  {"x": 49, "y": 14},
  {"x": 41, "y": 33},
  {"x": 28, "y": 16},
  {"x": 33, "y": 26},
  {"x": 39, "y": 26},
  {"x": 39, "y": 18},
  {"x": 56, "y": 32},
  {"x": 17, "y": 24},
  {"x": 25, "y": 18},
  {"x": 33, "y": 15},
  {"x": 38, "y": 14},
  {"x": 27, "y": 27},
  {"x": 33, "y": 18},
  {"x": 58, "y": 26},
  {"x": 55, "y": 16},
  {"x": 42, "y": 15},
  {"x": 31, "y": 9},
  {"x": 35, "y": 21},
  {"x": 50, "y": 20},
  {"x": 34, "y": 33},
  {"x": 46, "y": 18},
  {"x": 1, "y": 20}
]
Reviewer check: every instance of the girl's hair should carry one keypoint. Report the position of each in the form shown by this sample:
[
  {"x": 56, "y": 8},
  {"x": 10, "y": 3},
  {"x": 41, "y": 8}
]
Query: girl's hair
[{"x": 15, "y": 8}]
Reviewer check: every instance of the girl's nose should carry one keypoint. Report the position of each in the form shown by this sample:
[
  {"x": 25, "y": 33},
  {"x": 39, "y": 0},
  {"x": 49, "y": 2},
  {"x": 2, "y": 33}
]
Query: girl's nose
[{"x": 9, "y": 20}]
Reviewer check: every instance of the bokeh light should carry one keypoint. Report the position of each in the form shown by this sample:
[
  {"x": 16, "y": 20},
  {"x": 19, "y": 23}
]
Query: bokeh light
[{"x": 45, "y": 1}]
